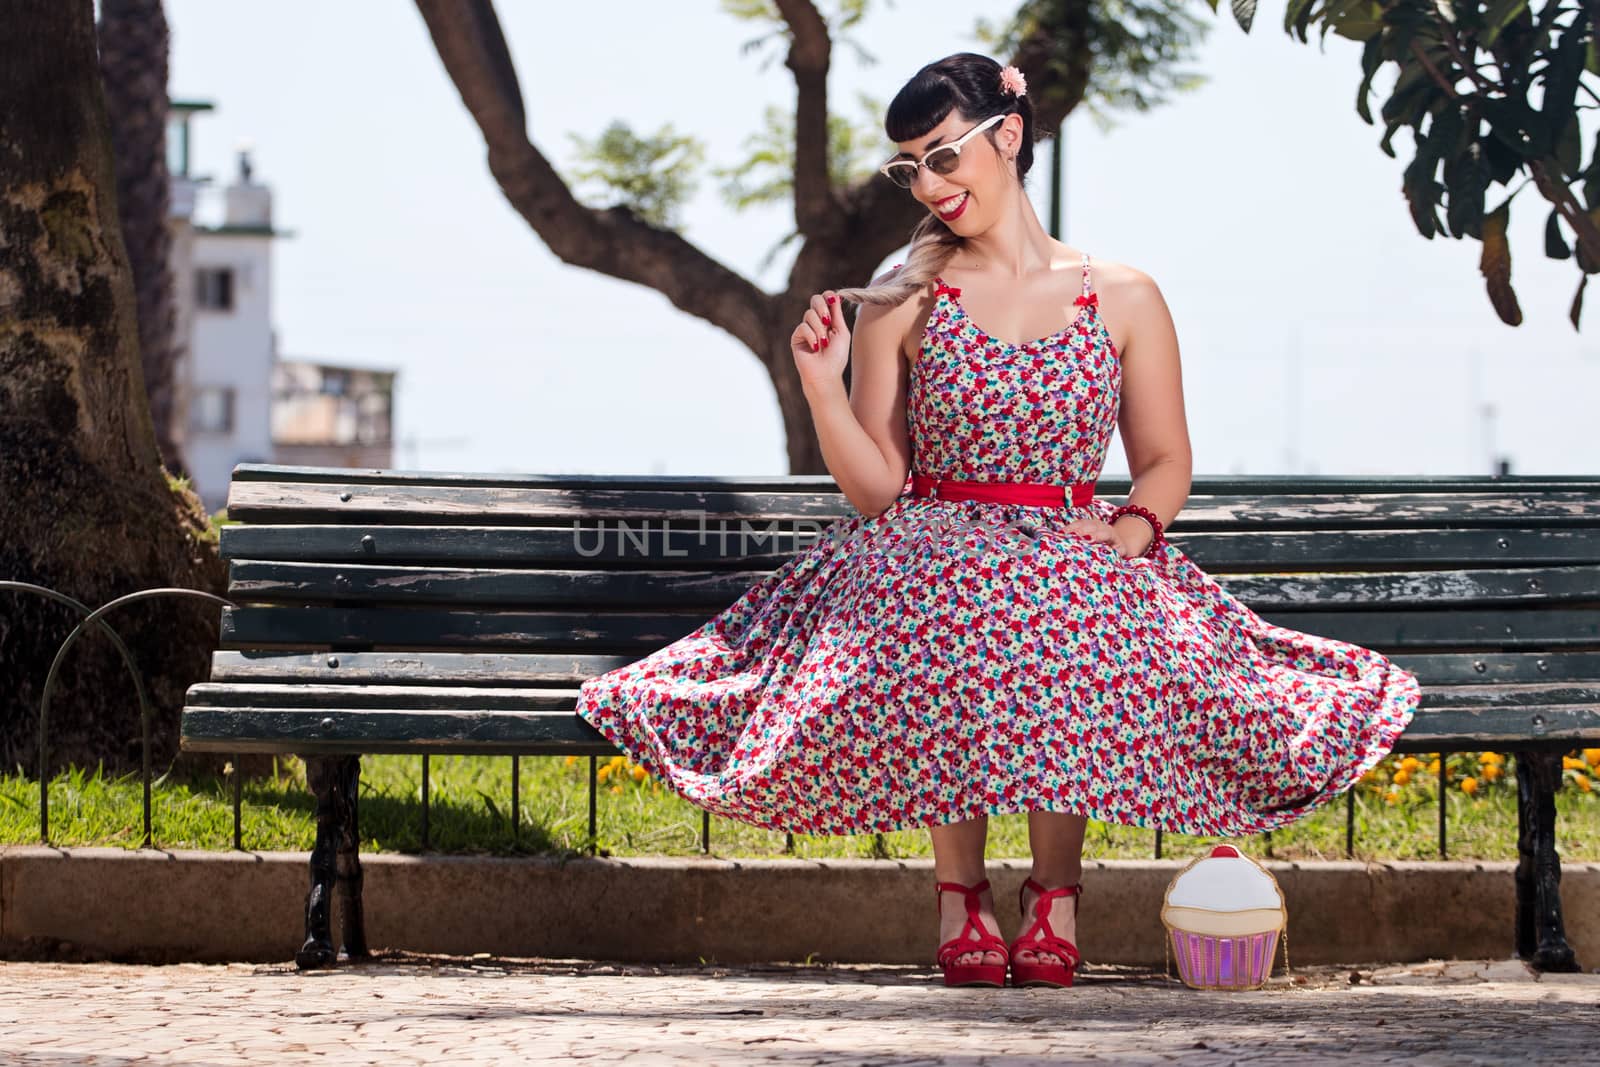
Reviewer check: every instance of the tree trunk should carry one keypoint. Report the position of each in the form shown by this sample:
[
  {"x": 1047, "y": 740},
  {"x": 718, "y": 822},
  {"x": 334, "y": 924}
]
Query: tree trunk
[
  {"x": 85, "y": 507},
  {"x": 133, "y": 66}
]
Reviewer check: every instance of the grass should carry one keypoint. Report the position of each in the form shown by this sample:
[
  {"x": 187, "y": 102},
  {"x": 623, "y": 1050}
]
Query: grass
[{"x": 469, "y": 798}]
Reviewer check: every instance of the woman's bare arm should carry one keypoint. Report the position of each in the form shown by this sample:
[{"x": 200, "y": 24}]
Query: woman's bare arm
[
  {"x": 1155, "y": 432},
  {"x": 864, "y": 437}
]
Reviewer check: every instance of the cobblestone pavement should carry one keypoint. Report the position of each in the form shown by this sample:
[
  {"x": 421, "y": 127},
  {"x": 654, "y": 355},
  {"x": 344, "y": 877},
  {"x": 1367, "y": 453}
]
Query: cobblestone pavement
[{"x": 409, "y": 1009}]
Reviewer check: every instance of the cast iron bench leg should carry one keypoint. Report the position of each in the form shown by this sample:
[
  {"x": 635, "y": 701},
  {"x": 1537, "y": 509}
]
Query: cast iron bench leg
[
  {"x": 334, "y": 780},
  {"x": 1541, "y": 934},
  {"x": 353, "y": 923}
]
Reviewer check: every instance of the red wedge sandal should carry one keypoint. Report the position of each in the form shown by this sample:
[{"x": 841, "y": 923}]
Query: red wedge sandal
[
  {"x": 964, "y": 974},
  {"x": 1039, "y": 937}
]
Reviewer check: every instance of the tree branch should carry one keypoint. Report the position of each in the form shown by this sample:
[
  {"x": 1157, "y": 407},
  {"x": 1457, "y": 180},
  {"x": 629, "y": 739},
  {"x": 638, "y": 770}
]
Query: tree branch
[
  {"x": 816, "y": 210},
  {"x": 613, "y": 241}
]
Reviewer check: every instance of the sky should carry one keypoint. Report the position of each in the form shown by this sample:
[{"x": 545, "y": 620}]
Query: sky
[{"x": 1319, "y": 332}]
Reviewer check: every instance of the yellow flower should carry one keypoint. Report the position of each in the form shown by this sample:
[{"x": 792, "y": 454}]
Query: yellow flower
[
  {"x": 1402, "y": 776},
  {"x": 1469, "y": 785},
  {"x": 616, "y": 789},
  {"x": 1570, "y": 764},
  {"x": 1582, "y": 782},
  {"x": 570, "y": 760},
  {"x": 1591, "y": 756},
  {"x": 614, "y": 761},
  {"x": 603, "y": 773},
  {"x": 1392, "y": 797},
  {"x": 640, "y": 774},
  {"x": 1433, "y": 767},
  {"x": 1409, "y": 764},
  {"x": 1491, "y": 771},
  {"x": 1491, "y": 757}
]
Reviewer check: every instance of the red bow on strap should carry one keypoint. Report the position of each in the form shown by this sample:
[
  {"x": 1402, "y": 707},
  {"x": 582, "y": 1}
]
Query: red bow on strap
[{"x": 1084, "y": 301}]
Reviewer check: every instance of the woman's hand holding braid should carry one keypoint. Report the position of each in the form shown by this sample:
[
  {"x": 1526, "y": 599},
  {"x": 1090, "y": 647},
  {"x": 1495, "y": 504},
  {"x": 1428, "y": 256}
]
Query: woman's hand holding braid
[{"x": 821, "y": 343}]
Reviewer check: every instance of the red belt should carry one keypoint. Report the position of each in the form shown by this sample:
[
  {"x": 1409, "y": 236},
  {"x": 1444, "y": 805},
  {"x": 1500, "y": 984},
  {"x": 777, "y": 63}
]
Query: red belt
[{"x": 1036, "y": 493}]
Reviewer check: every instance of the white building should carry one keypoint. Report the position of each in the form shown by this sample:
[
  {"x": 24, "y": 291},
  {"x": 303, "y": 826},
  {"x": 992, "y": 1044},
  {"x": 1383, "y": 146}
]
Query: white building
[{"x": 229, "y": 372}]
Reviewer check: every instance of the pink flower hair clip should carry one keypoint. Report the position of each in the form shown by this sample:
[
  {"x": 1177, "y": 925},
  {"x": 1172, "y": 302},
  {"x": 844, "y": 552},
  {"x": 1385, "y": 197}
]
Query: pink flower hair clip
[{"x": 1012, "y": 81}]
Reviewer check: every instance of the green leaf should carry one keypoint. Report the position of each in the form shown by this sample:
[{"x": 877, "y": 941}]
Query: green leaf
[
  {"x": 1244, "y": 13},
  {"x": 1501, "y": 14},
  {"x": 1512, "y": 122},
  {"x": 652, "y": 175},
  {"x": 1466, "y": 179},
  {"x": 1555, "y": 246},
  {"x": 1297, "y": 18},
  {"x": 1561, "y": 76},
  {"x": 1357, "y": 20},
  {"x": 1591, "y": 177},
  {"x": 1577, "y": 301},
  {"x": 1587, "y": 263},
  {"x": 1569, "y": 150},
  {"x": 1371, "y": 61},
  {"x": 1495, "y": 265}
]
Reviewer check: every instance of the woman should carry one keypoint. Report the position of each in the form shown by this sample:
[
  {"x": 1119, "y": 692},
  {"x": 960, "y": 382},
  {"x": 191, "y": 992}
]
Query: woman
[{"x": 987, "y": 635}]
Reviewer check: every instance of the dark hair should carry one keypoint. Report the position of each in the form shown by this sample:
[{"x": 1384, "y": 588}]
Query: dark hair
[{"x": 968, "y": 83}]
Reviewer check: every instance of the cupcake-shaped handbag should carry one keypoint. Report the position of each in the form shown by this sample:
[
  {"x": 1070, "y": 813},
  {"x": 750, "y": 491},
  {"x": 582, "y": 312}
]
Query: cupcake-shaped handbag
[{"x": 1224, "y": 914}]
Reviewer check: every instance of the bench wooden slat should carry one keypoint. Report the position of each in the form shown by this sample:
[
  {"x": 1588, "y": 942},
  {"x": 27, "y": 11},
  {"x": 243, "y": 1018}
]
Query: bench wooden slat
[
  {"x": 458, "y": 732},
  {"x": 579, "y": 631},
  {"x": 611, "y": 545},
  {"x": 1252, "y": 484},
  {"x": 443, "y": 628},
  {"x": 782, "y": 483},
  {"x": 685, "y": 545},
  {"x": 446, "y": 697},
  {"x": 550, "y": 698},
  {"x": 481, "y": 730},
  {"x": 381, "y": 503},
  {"x": 259, "y": 580},
  {"x": 262, "y": 501},
  {"x": 400, "y": 668},
  {"x": 1433, "y": 669}
]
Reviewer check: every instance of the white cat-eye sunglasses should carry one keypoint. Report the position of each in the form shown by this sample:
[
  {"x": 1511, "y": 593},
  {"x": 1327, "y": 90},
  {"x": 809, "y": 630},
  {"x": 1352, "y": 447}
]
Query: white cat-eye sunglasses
[{"x": 941, "y": 160}]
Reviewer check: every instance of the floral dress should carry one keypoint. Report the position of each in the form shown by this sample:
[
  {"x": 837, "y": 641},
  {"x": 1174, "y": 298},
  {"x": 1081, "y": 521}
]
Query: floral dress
[{"x": 948, "y": 659}]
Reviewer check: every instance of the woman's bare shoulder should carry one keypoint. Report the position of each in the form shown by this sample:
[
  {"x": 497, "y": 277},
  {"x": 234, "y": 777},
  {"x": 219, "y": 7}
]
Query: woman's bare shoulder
[
  {"x": 907, "y": 320},
  {"x": 1128, "y": 298},
  {"x": 1117, "y": 277}
]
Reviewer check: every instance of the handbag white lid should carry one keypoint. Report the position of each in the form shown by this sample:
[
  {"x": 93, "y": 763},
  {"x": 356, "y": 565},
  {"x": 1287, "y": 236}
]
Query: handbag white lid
[{"x": 1224, "y": 881}]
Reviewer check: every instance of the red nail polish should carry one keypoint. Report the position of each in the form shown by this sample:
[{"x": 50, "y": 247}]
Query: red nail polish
[
  {"x": 824, "y": 342},
  {"x": 813, "y": 346},
  {"x": 826, "y": 321},
  {"x": 833, "y": 300}
]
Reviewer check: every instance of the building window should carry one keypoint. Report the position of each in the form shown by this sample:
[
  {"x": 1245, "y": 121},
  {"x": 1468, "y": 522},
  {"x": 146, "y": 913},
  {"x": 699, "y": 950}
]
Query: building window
[
  {"x": 178, "y": 146},
  {"x": 214, "y": 288},
  {"x": 212, "y": 410}
]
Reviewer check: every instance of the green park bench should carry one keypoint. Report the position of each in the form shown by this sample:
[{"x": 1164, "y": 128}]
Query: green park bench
[{"x": 389, "y": 612}]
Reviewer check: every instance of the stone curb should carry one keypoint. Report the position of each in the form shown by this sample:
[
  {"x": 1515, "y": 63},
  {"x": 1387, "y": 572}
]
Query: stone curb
[{"x": 194, "y": 906}]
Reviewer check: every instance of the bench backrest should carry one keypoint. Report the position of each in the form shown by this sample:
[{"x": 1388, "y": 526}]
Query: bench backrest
[{"x": 1487, "y": 587}]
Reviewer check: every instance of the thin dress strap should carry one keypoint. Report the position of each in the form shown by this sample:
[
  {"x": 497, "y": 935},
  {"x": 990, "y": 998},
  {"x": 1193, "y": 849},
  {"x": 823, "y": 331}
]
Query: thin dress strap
[{"x": 1089, "y": 297}]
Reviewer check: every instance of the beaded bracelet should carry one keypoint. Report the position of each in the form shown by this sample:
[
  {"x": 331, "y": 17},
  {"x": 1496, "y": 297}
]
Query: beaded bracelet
[{"x": 1148, "y": 516}]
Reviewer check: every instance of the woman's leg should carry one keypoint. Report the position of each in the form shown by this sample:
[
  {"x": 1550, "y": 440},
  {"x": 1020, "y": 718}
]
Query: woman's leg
[
  {"x": 958, "y": 857},
  {"x": 1056, "y": 840}
]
